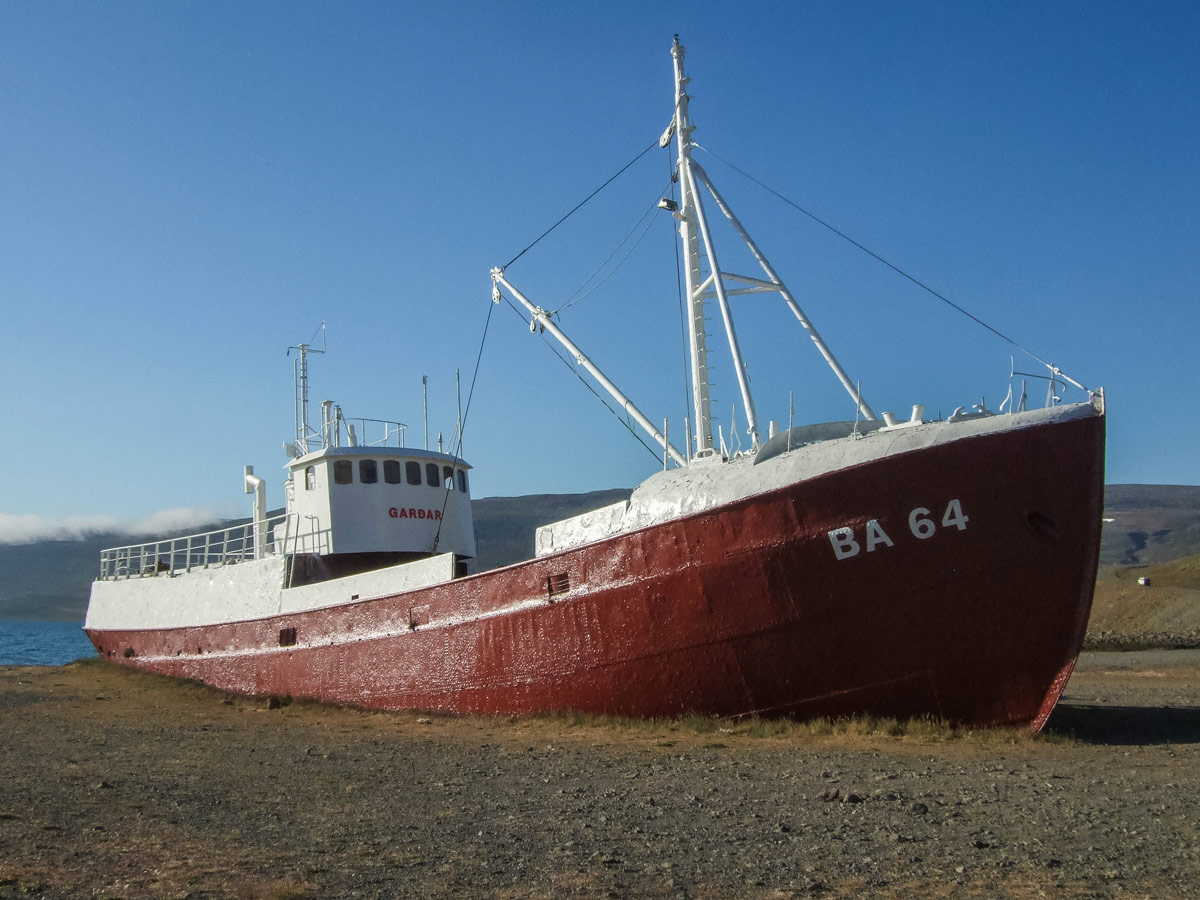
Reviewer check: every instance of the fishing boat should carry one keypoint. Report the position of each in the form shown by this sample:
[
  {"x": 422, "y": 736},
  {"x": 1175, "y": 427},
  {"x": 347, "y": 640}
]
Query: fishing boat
[{"x": 885, "y": 565}]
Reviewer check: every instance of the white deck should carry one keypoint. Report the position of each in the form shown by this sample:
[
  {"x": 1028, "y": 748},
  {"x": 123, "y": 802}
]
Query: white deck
[{"x": 249, "y": 590}]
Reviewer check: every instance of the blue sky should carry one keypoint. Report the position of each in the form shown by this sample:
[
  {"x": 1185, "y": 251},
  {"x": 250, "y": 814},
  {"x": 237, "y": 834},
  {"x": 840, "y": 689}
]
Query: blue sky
[{"x": 186, "y": 189}]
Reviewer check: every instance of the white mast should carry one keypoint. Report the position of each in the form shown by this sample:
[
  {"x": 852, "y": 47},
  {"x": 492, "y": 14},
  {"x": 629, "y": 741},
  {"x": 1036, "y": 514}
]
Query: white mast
[
  {"x": 691, "y": 270},
  {"x": 692, "y": 218}
]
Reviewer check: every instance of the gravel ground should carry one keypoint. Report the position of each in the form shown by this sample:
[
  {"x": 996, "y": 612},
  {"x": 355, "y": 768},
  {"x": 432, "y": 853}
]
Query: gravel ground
[{"x": 116, "y": 784}]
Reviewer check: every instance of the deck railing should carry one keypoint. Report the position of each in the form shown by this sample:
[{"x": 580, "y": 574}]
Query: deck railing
[
  {"x": 222, "y": 547},
  {"x": 372, "y": 433}
]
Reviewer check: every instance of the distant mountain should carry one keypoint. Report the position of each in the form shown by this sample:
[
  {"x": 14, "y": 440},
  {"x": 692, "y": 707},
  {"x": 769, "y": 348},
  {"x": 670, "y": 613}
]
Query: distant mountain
[
  {"x": 1152, "y": 524},
  {"x": 49, "y": 579}
]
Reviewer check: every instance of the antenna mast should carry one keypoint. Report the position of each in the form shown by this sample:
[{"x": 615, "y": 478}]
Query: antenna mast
[{"x": 300, "y": 381}]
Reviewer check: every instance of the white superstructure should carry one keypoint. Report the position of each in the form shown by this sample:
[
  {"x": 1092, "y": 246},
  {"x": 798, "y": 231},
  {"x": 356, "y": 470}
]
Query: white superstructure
[{"x": 364, "y": 516}]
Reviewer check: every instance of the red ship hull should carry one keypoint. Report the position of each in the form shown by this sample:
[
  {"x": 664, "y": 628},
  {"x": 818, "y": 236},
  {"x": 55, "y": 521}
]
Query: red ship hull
[{"x": 973, "y": 610}]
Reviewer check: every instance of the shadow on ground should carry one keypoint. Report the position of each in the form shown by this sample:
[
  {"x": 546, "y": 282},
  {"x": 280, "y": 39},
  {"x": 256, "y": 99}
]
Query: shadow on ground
[{"x": 1126, "y": 725}]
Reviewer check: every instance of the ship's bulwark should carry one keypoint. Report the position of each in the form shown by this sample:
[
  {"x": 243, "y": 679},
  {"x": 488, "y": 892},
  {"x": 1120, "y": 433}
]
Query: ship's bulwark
[{"x": 973, "y": 611}]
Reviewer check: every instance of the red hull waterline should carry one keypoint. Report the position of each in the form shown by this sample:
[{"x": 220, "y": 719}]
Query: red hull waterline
[{"x": 744, "y": 609}]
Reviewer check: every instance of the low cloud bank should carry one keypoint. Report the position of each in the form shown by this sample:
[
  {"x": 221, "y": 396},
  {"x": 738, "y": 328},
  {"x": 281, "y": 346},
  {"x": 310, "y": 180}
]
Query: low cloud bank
[{"x": 29, "y": 529}]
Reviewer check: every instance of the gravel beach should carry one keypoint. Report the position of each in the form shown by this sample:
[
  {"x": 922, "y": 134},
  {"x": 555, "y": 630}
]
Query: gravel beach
[{"x": 119, "y": 784}]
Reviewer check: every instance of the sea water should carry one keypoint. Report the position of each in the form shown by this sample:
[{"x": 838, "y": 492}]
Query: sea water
[{"x": 42, "y": 643}]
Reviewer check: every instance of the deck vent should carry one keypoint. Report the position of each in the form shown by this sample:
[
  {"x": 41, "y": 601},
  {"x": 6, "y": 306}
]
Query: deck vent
[
  {"x": 558, "y": 584},
  {"x": 287, "y": 637}
]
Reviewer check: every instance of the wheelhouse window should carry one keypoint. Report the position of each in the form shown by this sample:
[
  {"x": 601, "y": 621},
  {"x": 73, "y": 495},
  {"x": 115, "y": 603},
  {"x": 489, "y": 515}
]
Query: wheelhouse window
[
  {"x": 343, "y": 471},
  {"x": 412, "y": 471},
  {"x": 368, "y": 471},
  {"x": 448, "y": 476},
  {"x": 391, "y": 471},
  {"x": 462, "y": 480},
  {"x": 310, "y": 478},
  {"x": 431, "y": 475}
]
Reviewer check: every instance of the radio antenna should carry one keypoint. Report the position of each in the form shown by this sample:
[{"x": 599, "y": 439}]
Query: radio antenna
[{"x": 300, "y": 383}]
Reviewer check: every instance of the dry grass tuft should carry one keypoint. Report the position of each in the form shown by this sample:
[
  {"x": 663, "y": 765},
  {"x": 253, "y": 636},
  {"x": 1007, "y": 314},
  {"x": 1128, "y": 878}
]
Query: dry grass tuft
[{"x": 851, "y": 728}]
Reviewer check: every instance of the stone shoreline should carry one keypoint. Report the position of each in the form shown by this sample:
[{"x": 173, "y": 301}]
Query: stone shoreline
[{"x": 119, "y": 784}]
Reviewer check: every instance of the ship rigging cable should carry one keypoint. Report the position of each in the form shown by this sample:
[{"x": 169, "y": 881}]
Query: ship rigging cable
[
  {"x": 890, "y": 265},
  {"x": 462, "y": 426},
  {"x": 579, "y": 204},
  {"x": 471, "y": 393},
  {"x": 483, "y": 339},
  {"x": 644, "y": 223},
  {"x": 585, "y": 382},
  {"x": 577, "y": 296}
]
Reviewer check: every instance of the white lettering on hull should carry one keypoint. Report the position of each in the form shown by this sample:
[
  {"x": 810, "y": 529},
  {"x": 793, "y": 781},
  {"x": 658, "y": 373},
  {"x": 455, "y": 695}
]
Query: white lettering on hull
[{"x": 846, "y": 544}]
